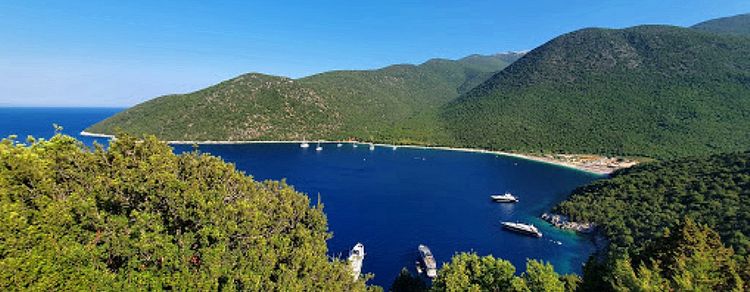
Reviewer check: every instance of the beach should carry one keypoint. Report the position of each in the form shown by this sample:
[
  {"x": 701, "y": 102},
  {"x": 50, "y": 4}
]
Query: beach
[{"x": 596, "y": 164}]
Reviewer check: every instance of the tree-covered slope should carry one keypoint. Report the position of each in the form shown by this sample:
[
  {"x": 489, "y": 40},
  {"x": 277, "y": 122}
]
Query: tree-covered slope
[
  {"x": 395, "y": 103},
  {"x": 138, "y": 217},
  {"x": 636, "y": 204},
  {"x": 656, "y": 91},
  {"x": 738, "y": 24}
]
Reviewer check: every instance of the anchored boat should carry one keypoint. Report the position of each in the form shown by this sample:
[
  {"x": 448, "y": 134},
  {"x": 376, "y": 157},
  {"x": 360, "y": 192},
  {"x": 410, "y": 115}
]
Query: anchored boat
[
  {"x": 356, "y": 257},
  {"x": 504, "y": 198},
  {"x": 319, "y": 148},
  {"x": 526, "y": 229},
  {"x": 429, "y": 261}
]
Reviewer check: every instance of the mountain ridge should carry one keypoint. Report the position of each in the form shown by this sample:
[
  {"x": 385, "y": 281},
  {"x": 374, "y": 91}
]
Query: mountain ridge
[
  {"x": 737, "y": 25},
  {"x": 652, "y": 90},
  {"x": 393, "y": 103}
]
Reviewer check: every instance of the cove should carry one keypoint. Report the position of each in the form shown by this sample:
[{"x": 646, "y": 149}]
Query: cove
[
  {"x": 390, "y": 200},
  {"x": 394, "y": 200}
]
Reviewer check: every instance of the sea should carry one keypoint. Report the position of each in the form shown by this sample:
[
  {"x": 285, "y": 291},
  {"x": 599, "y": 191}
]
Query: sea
[{"x": 391, "y": 200}]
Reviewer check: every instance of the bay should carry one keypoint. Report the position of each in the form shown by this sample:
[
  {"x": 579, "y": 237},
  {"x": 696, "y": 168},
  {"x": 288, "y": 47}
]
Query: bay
[{"x": 391, "y": 200}]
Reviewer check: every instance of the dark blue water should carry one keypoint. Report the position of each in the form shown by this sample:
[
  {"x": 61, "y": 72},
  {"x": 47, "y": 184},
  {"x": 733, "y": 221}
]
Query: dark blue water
[
  {"x": 37, "y": 122},
  {"x": 393, "y": 200}
]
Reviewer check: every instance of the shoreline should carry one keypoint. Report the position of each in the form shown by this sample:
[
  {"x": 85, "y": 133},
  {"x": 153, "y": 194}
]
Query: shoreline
[{"x": 602, "y": 165}]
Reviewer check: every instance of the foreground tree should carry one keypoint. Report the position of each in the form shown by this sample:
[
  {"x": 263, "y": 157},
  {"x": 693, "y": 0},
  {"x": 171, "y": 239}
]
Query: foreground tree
[
  {"x": 541, "y": 276},
  {"x": 137, "y": 216},
  {"x": 692, "y": 258},
  {"x": 470, "y": 272},
  {"x": 406, "y": 282}
]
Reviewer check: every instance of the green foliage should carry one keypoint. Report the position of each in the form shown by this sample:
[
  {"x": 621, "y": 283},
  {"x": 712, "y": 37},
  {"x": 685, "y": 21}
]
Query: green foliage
[
  {"x": 635, "y": 205},
  {"x": 394, "y": 104},
  {"x": 738, "y": 25},
  {"x": 654, "y": 91},
  {"x": 406, "y": 282},
  {"x": 541, "y": 276},
  {"x": 624, "y": 278},
  {"x": 470, "y": 272},
  {"x": 138, "y": 217},
  {"x": 571, "y": 282},
  {"x": 690, "y": 259}
]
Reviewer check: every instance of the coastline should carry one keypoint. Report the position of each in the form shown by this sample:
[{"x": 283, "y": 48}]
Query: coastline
[{"x": 598, "y": 165}]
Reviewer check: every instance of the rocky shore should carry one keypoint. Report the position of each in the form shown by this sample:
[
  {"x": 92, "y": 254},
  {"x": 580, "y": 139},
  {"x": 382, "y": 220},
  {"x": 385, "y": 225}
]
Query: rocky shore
[{"x": 563, "y": 222}]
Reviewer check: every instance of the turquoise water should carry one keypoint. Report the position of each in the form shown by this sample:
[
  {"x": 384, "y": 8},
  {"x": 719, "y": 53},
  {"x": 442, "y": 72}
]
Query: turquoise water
[{"x": 393, "y": 200}]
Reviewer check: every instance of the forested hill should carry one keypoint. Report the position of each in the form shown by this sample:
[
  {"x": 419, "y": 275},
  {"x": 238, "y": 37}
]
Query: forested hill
[
  {"x": 655, "y": 91},
  {"x": 738, "y": 24},
  {"x": 395, "y": 103},
  {"x": 636, "y": 204}
]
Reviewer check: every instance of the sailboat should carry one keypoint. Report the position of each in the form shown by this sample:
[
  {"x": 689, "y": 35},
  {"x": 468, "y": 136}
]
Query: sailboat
[
  {"x": 372, "y": 146},
  {"x": 319, "y": 148},
  {"x": 304, "y": 144}
]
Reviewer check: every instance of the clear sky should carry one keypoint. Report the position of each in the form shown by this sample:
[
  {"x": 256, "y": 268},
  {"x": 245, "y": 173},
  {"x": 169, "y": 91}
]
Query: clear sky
[{"x": 119, "y": 53}]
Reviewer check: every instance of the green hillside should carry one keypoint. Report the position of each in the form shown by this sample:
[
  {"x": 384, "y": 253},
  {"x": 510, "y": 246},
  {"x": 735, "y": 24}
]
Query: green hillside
[
  {"x": 636, "y": 204},
  {"x": 738, "y": 24},
  {"x": 397, "y": 103},
  {"x": 656, "y": 91}
]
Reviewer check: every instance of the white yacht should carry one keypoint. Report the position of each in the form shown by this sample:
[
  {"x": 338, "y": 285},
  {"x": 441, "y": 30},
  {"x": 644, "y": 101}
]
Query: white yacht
[
  {"x": 527, "y": 229},
  {"x": 504, "y": 198},
  {"x": 428, "y": 259},
  {"x": 356, "y": 257},
  {"x": 304, "y": 144},
  {"x": 319, "y": 148},
  {"x": 372, "y": 146}
]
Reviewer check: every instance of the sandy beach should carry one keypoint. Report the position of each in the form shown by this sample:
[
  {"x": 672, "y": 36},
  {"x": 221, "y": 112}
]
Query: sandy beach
[{"x": 596, "y": 164}]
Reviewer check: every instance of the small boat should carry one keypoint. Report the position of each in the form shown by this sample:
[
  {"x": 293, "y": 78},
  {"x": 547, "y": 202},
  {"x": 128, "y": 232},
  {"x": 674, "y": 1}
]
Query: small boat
[
  {"x": 504, "y": 198},
  {"x": 304, "y": 144},
  {"x": 356, "y": 257},
  {"x": 339, "y": 145},
  {"x": 354, "y": 145},
  {"x": 372, "y": 146},
  {"x": 395, "y": 147},
  {"x": 418, "y": 264},
  {"x": 319, "y": 148},
  {"x": 429, "y": 261},
  {"x": 526, "y": 229}
]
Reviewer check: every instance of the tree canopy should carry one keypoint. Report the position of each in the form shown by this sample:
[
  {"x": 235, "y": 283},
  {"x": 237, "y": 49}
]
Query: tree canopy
[
  {"x": 470, "y": 272},
  {"x": 636, "y": 204},
  {"x": 692, "y": 258},
  {"x": 136, "y": 216}
]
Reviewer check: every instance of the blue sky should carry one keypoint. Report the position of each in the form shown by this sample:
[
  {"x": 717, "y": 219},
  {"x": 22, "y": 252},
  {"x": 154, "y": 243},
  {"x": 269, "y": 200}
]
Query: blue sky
[{"x": 119, "y": 53}]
